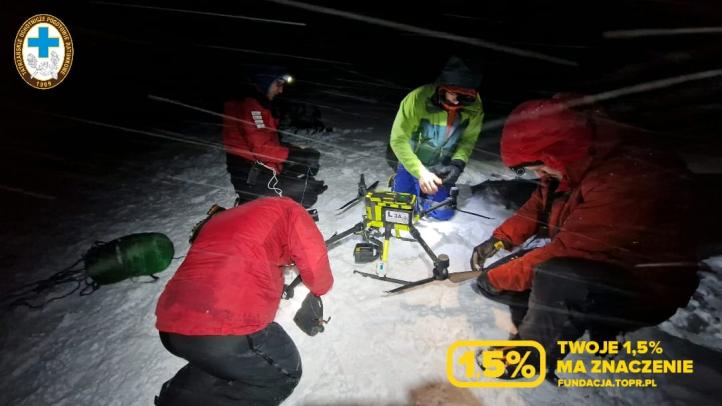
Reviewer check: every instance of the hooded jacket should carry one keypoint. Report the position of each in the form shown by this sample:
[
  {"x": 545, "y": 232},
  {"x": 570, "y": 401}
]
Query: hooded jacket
[
  {"x": 624, "y": 204},
  {"x": 424, "y": 133},
  {"x": 422, "y": 136},
  {"x": 231, "y": 281}
]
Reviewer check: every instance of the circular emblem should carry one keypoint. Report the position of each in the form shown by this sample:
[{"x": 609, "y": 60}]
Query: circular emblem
[{"x": 43, "y": 51}]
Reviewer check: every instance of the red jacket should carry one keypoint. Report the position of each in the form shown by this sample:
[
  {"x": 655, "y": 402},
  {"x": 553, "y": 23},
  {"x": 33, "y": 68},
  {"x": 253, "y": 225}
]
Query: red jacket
[
  {"x": 250, "y": 131},
  {"x": 230, "y": 283},
  {"x": 625, "y": 205}
]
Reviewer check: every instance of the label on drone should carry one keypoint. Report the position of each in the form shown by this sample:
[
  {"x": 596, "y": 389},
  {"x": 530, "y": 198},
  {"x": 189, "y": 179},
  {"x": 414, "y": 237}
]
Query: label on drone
[{"x": 397, "y": 217}]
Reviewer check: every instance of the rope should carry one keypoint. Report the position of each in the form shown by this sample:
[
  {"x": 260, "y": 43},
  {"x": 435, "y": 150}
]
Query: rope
[
  {"x": 29, "y": 294},
  {"x": 305, "y": 184},
  {"x": 273, "y": 182}
]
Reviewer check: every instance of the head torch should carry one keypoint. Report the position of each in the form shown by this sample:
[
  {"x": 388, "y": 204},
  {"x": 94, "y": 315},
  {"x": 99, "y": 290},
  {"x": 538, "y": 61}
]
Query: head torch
[{"x": 288, "y": 79}]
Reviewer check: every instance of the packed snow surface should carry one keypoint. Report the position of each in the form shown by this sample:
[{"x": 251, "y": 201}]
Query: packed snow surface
[{"x": 378, "y": 349}]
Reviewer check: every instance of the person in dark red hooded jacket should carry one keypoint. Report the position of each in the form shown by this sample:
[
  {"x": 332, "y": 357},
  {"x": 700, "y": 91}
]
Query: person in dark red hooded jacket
[
  {"x": 617, "y": 215},
  {"x": 217, "y": 311},
  {"x": 258, "y": 162}
]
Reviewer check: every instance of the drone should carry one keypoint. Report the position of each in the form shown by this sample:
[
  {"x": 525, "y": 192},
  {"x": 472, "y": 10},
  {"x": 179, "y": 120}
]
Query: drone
[{"x": 386, "y": 215}]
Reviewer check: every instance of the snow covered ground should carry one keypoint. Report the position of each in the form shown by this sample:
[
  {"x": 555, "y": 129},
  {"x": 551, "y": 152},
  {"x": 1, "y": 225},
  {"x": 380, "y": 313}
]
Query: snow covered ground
[{"x": 378, "y": 349}]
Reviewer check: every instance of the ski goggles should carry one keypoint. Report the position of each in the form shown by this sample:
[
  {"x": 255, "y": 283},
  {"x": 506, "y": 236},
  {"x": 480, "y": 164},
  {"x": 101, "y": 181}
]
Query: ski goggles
[
  {"x": 520, "y": 169},
  {"x": 464, "y": 95}
]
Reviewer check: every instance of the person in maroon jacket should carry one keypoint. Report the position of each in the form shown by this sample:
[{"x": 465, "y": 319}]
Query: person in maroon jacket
[
  {"x": 258, "y": 162},
  {"x": 217, "y": 311},
  {"x": 617, "y": 215}
]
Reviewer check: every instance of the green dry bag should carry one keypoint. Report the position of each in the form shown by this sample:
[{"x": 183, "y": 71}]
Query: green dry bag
[{"x": 130, "y": 256}]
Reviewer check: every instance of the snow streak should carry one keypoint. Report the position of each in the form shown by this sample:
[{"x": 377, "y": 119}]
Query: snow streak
[
  {"x": 253, "y": 51},
  {"x": 427, "y": 32},
  {"x": 206, "y": 13},
  {"x": 188, "y": 106},
  {"x": 655, "y": 32}
]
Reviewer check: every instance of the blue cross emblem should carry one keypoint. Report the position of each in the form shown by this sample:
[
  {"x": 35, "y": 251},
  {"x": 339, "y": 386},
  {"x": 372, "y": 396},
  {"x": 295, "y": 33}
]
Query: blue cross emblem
[{"x": 43, "y": 42}]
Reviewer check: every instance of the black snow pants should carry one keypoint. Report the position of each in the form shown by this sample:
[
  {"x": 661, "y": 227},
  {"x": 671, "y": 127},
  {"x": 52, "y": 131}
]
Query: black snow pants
[
  {"x": 297, "y": 181},
  {"x": 570, "y": 296},
  {"x": 262, "y": 368}
]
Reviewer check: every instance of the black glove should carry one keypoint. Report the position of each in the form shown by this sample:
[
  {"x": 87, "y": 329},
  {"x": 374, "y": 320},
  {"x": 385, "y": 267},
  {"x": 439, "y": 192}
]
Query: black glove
[
  {"x": 485, "y": 250},
  {"x": 450, "y": 173},
  {"x": 309, "y": 318},
  {"x": 485, "y": 287}
]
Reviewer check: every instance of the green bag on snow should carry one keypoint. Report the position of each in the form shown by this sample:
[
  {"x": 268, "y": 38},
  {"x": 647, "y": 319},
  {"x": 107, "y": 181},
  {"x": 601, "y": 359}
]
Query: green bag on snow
[
  {"x": 142, "y": 254},
  {"x": 127, "y": 257}
]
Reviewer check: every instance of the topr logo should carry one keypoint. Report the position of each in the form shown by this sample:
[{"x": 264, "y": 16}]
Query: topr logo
[{"x": 43, "y": 51}]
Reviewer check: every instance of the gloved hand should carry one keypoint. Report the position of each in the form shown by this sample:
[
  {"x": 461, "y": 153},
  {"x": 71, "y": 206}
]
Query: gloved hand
[
  {"x": 450, "y": 173},
  {"x": 309, "y": 318},
  {"x": 429, "y": 182},
  {"x": 485, "y": 287},
  {"x": 485, "y": 250}
]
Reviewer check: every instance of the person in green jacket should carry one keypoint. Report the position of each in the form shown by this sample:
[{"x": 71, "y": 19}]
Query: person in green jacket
[{"x": 434, "y": 133}]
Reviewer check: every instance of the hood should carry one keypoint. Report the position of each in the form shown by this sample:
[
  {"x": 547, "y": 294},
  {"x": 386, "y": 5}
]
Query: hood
[
  {"x": 547, "y": 131},
  {"x": 457, "y": 73}
]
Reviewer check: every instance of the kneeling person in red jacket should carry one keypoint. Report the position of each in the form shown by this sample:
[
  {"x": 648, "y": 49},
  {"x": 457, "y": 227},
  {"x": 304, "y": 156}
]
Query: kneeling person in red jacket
[
  {"x": 217, "y": 311},
  {"x": 617, "y": 216},
  {"x": 258, "y": 162}
]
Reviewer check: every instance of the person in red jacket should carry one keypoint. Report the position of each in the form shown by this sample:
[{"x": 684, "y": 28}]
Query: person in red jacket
[
  {"x": 217, "y": 311},
  {"x": 616, "y": 215},
  {"x": 258, "y": 162}
]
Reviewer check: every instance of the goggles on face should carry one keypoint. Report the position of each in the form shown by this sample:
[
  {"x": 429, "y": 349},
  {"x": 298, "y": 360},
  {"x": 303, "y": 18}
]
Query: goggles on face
[
  {"x": 520, "y": 169},
  {"x": 463, "y": 94}
]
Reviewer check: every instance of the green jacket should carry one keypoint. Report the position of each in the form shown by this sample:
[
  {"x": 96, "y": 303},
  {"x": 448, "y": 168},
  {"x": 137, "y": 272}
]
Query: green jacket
[{"x": 418, "y": 136}]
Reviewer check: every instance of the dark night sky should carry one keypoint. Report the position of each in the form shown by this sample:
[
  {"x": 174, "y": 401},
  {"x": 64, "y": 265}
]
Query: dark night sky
[{"x": 123, "y": 54}]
